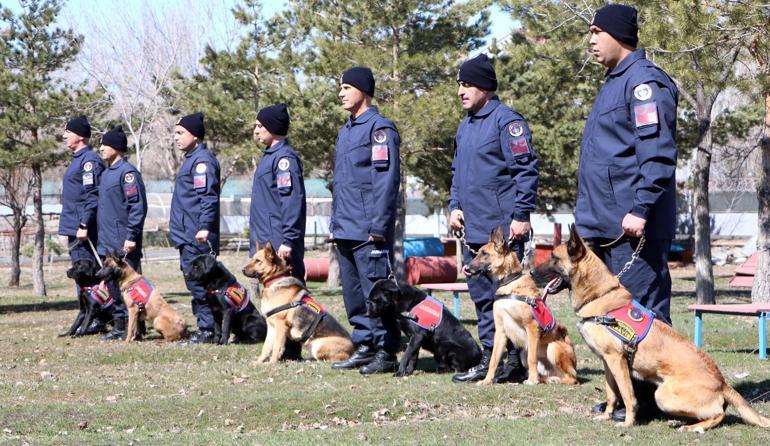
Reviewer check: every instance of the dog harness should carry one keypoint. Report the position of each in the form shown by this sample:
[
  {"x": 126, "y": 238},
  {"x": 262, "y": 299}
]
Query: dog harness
[
  {"x": 308, "y": 304},
  {"x": 427, "y": 315},
  {"x": 236, "y": 296},
  {"x": 99, "y": 294},
  {"x": 629, "y": 323},
  {"x": 540, "y": 311},
  {"x": 140, "y": 291}
]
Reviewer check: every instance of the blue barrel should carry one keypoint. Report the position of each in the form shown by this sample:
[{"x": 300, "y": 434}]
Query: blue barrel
[{"x": 422, "y": 247}]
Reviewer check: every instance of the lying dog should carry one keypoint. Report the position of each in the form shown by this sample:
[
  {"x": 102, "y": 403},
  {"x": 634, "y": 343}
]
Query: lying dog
[
  {"x": 292, "y": 314},
  {"x": 233, "y": 310},
  {"x": 94, "y": 300},
  {"x": 689, "y": 382},
  {"x": 427, "y": 323},
  {"x": 523, "y": 318},
  {"x": 142, "y": 300}
]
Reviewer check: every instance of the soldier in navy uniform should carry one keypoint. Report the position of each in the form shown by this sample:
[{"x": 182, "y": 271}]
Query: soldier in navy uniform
[
  {"x": 194, "y": 219},
  {"x": 122, "y": 211},
  {"x": 278, "y": 193},
  {"x": 626, "y": 176},
  {"x": 80, "y": 197},
  {"x": 367, "y": 177},
  {"x": 494, "y": 184}
]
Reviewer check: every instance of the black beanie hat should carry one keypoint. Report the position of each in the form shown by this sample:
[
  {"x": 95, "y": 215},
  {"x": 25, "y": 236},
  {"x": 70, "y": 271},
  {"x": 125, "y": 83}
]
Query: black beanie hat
[
  {"x": 619, "y": 21},
  {"x": 361, "y": 78},
  {"x": 79, "y": 126},
  {"x": 478, "y": 72},
  {"x": 116, "y": 139},
  {"x": 275, "y": 119},
  {"x": 194, "y": 124}
]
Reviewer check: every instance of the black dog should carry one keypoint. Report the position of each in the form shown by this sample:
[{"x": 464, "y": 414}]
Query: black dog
[
  {"x": 94, "y": 300},
  {"x": 233, "y": 310},
  {"x": 452, "y": 345}
]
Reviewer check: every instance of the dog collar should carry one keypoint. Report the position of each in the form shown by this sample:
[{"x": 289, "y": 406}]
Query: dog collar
[
  {"x": 508, "y": 279},
  {"x": 275, "y": 279}
]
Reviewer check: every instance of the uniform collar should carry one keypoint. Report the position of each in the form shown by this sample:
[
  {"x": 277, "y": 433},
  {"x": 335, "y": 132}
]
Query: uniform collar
[
  {"x": 627, "y": 62},
  {"x": 363, "y": 117},
  {"x": 488, "y": 108},
  {"x": 275, "y": 148},
  {"x": 82, "y": 150},
  {"x": 198, "y": 147},
  {"x": 117, "y": 164}
]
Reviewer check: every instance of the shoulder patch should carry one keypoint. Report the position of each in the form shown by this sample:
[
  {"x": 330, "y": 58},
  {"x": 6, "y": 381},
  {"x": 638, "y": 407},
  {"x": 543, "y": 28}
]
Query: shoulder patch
[
  {"x": 642, "y": 92},
  {"x": 380, "y": 153},
  {"x": 88, "y": 179},
  {"x": 283, "y": 164},
  {"x": 515, "y": 129},
  {"x": 200, "y": 168},
  {"x": 646, "y": 114},
  {"x": 283, "y": 180},
  {"x": 88, "y": 166},
  {"x": 380, "y": 136},
  {"x": 128, "y": 178}
]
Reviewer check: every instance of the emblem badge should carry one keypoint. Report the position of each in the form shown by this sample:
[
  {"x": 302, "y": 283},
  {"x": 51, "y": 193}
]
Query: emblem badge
[
  {"x": 635, "y": 314},
  {"x": 283, "y": 164},
  {"x": 200, "y": 168},
  {"x": 88, "y": 166},
  {"x": 129, "y": 178},
  {"x": 380, "y": 136},
  {"x": 642, "y": 92},
  {"x": 515, "y": 129}
]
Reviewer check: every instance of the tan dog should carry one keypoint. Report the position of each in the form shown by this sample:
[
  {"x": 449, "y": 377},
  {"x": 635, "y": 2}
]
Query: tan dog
[
  {"x": 302, "y": 319},
  {"x": 550, "y": 355},
  {"x": 689, "y": 382},
  {"x": 156, "y": 310}
]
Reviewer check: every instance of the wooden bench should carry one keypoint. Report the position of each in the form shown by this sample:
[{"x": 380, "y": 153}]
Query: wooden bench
[
  {"x": 456, "y": 288},
  {"x": 760, "y": 311}
]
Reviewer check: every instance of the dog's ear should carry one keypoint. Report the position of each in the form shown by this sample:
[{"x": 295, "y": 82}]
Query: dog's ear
[
  {"x": 497, "y": 238},
  {"x": 575, "y": 246},
  {"x": 269, "y": 252}
]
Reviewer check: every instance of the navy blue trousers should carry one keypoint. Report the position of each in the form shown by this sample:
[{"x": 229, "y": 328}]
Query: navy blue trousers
[
  {"x": 200, "y": 307},
  {"x": 482, "y": 289},
  {"x": 362, "y": 264},
  {"x": 648, "y": 279}
]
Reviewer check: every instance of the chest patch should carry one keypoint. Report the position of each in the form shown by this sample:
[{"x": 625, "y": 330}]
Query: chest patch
[
  {"x": 543, "y": 315},
  {"x": 646, "y": 114},
  {"x": 519, "y": 146},
  {"x": 140, "y": 291},
  {"x": 310, "y": 305},
  {"x": 283, "y": 180},
  {"x": 100, "y": 295},
  {"x": 428, "y": 314},
  {"x": 237, "y": 297},
  {"x": 379, "y": 153},
  {"x": 632, "y": 322}
]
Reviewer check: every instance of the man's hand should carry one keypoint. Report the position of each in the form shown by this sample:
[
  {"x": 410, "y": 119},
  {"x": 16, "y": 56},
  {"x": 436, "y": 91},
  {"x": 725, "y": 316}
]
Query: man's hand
[
  {"x": 456, "y": 220},
  {"x": 82, "y": 234},
  {"x": 284, "y": 252},
  {"x": 202, "y": 236},
  {"x": 519, "y": 229},
  {"x": 633, "y": 225},
  {"x": 376, "y": 238},
  {"x": 129, "y": 246}
]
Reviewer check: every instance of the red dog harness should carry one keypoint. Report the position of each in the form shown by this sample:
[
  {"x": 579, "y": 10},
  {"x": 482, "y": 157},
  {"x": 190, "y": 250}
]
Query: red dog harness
[
  {"x": 140, "y": 291},
  {"x": 428, "y": 314},
  {"x": 309, "y": 304},
  {"x": 632, "y": 322},
  {"x": 237, "y": 297},
  {"x": 99, "y": 294}
]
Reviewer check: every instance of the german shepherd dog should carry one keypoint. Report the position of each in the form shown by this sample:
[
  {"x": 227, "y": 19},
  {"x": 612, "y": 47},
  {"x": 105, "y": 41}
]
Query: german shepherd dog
[
  {"x": 550, "y": 356},
  {"x": 156, "y": 310},
  {"x": 93, "y": 299},
  {"x": 300, "y": 318},
  {"x": 689, "y": 382},
  {"x": 233, "y": 311},
  {"x": 452, "y": 345}
]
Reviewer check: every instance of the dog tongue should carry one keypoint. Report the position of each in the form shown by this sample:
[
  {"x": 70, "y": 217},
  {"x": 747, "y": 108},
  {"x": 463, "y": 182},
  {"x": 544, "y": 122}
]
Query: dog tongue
[{"x": 466, "y": 272}]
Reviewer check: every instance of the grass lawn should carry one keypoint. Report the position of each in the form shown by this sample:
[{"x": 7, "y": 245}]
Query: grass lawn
[{"x": 85, "y": 391}]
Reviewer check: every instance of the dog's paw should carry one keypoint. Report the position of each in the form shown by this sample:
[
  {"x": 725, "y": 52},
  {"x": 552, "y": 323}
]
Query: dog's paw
[
  {"x": 697, "y": 430},
  {"x": 484, "y": 382},
  {"x": 602, "y": 417},
  {"x": 532, "y": 382},
  {"x": 400, "y": 373},
  {"x": 624, "y": 424}
]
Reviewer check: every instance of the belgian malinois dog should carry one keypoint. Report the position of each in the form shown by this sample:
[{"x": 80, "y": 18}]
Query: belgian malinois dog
[
  {"x": 292, "y": 314},
  {"x": 143, "y": 301},
  {"x": 550, "y": 356},
  {"x": 689, "y": 382}
]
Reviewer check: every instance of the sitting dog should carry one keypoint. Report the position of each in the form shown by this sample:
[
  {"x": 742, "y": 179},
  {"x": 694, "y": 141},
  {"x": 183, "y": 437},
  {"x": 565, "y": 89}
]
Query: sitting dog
[
  {"x": 142, "y": 300},
  {"x": 292, "y": 314},
  {"x": 632, "y": 342},
  {"x": 523, "y": 318},
  {"x": 94, "y": 300},
  {"x": 427, "y": 323},
  {"x": 233, "y": 310}
]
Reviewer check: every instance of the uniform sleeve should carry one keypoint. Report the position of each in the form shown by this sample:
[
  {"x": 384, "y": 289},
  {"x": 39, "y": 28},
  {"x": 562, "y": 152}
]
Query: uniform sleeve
[
  {"x": 653, "y": 116},
  {"x": 91, "y": 172},
  {"x": 133, "y": 192},
  {"x": 386, "y": 178},
  {"x": 454, "y": 200},
  {"x": 206, "y": 184},
  {"x": 521, "y": 159},
  {"x": 287, "y": 172}
]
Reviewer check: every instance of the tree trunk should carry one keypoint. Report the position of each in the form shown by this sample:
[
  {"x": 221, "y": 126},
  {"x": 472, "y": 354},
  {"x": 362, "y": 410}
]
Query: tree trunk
[
  {"x": 38, "y": 259},
  {"x": 333, "y": 279},
  {"x": 761, "y": 289},
  {"x": 399, "y": 266},
  {"x": 18, "y": 225},
  {"x": 704, "y": 274}
]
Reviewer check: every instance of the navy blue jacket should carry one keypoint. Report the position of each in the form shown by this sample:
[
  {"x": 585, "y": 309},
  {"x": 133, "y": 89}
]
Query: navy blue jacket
[
  {"x": 367, "y": 177},
  {"x": 80, "y": 192},
  {"x": 628, "y": 153},
  {"x": 122, "y": 207},
  {"x": 278, "y": 206},
  {"x": 494, "y": 170},
  {"x": 195, "y": 202}
]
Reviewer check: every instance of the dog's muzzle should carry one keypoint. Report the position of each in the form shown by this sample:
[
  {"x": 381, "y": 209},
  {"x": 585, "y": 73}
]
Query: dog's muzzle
[{"x": 557, "y": 284}]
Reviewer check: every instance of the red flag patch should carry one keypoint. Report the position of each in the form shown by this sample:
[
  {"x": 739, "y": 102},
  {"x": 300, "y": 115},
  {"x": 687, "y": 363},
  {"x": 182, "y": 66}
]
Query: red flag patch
[
  {"x": 379, "y": 152},
  {"x": 199, "y": 181},
  {"x": 283, "y": 179},
  {"x": 646, "y": 114},
  {"x": 519, "y": 146},
  {"x": 130, "y": 189}
]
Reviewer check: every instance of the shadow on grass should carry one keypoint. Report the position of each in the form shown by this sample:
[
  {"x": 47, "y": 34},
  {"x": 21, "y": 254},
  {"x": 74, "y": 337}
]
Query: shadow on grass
[
  {"x": 59, "y": 305},
  {"x": 755, "y": 392}
]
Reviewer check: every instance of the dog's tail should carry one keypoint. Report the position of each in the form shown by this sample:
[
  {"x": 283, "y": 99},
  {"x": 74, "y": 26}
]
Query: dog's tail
[{"x": 748, "y": 414}]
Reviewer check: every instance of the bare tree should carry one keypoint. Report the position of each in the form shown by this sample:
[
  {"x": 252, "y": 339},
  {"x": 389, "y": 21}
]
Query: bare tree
[{"x": 16, "y": 182}]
